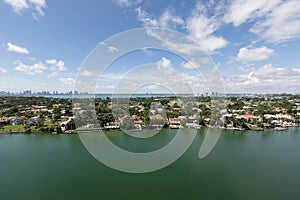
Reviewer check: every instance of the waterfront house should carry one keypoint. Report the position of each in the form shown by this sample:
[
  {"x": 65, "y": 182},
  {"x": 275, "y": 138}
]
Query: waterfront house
[
  {"x": 192, "y": 125},
  {"x": 112, "y": 125},
  {"x": 174, "y": 123},
  {"x": 4, "y": 121},
  {"x": 15, "y": 121},
  {"x": 250, "y": 117}
]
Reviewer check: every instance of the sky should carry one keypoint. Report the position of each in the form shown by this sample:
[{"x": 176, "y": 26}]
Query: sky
[{"x": 254, "y": 44}]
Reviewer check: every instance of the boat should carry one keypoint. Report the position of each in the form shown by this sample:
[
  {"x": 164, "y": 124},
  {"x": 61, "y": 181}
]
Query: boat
[
  {"x": 172, "y": 126},
  {"x": 280, "y": 128}
]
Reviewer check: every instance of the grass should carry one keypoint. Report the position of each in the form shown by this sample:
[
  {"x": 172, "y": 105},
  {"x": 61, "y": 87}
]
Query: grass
[
  {"x": 48, "y": 123},
  {"x": 21, "y": 129},
  {"x": 13, "y": 128}
]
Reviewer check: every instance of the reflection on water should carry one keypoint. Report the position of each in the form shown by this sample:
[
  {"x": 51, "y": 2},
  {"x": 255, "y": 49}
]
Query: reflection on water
[{"x": 243, "y": 165}]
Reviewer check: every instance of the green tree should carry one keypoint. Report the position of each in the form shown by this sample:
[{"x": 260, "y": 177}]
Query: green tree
[{"x": 127, "y": 123}]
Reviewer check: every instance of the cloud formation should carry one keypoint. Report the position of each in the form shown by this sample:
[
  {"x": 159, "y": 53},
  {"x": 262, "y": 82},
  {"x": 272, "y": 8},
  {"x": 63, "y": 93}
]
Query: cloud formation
[
  {"x": 266, "y": 79},
  {"x": 275, "y": 21},
  {"x": 126, "y": 3},
  {"x": 202, "y": 29},
  {"x": 265, "y": 17},
  {"x": 281, "y": 24},
  {"x": 199, "y": 25},
  {"x": 16, "y": 48},
  {"x": 168, "y": 19},
  {"x": 241, "y": 11},
  {"x": 247, "y": 55},
  {"x": 86, "y": 73},
  {"x": 36, "y": 6},
  {"x": 17, "y": 5},
  {"x": 36, "y": 68},
  {"x": 67, "y": 81},
  {"x": 192, "y": 64},
  {"x": 57, "y": 65},
  {"x": 3, "y": 71},
  {"x": 165, "y": 66}
]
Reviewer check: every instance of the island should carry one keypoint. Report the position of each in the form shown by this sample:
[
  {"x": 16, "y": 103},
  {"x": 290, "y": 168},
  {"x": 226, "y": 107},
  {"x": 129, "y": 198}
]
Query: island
[{"x": 55, "y": 115}]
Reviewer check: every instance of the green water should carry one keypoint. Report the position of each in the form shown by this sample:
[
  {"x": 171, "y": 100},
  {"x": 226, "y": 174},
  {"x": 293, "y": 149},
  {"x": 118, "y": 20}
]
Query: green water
[{"x": 243, "y": 165}]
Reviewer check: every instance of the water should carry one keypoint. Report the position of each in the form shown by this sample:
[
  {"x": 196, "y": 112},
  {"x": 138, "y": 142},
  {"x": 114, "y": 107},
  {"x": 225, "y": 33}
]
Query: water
[{"x": 243, "y": 165}]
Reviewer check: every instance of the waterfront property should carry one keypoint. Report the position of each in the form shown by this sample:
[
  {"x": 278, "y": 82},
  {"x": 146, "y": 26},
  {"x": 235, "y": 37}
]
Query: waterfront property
[{"x": 39, "y": 114}]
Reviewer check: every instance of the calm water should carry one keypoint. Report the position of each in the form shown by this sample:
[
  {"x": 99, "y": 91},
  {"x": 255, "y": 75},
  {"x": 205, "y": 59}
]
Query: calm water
[{"x": 243, "y": 165}]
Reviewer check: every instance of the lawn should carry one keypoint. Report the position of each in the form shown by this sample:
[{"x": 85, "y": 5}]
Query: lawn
[{"x": 13, "y": 128}]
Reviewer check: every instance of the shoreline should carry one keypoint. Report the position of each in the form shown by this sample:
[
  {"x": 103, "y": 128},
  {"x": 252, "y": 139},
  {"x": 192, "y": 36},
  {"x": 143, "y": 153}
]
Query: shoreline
[{"x": 90, "y": 131}]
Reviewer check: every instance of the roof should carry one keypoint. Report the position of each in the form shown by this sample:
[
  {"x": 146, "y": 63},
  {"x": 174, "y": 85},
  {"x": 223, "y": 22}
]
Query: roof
[{"x": 250, "y": 116}]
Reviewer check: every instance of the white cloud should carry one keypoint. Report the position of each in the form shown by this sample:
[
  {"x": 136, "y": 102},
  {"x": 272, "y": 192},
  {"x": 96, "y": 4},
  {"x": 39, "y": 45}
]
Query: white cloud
[
  {"x": 276, "y": 21},
  {"x": 16, "y": 48},
  {"x": 159, "y": 77},
  {"x": 51, "y": 61},
  {"x": 170, "y": 19},
  {"x": 172, "y": 41},
  {"x": 3, "y": 71},
  {"x": 247, "y": 55},
  {"x": 57, "y": 65},
  {"x": 37, "y": 68},
  {"x": 53, "y": 74},
  {"x": 212, "y": 43},
  {"x": 17, "y": 5},
  {"x": 144, "y": 17},
  {"x": 201, "y": 28},
  {"x": 167, "y": 20},
  {"x": 192, "y": 64},
  {"x": 280, "y": 25},
  {"x": 165, "y": 66},
  {"x": 147, "y": 51},
  {"x": 266, "y": 79},
  {"x": 126, "y": 3},
  {"x": 198, "y": 25},
  {"x": 112, "y": 49},
  {"x": 109, "y": 48},
  {"x": 67, "y": 81},
  {"x": 241, "y": 11},
  {"x": 61, "y": 66},
  {"x": 86, "y": 73},
  {"x": 36, "y": 6}
]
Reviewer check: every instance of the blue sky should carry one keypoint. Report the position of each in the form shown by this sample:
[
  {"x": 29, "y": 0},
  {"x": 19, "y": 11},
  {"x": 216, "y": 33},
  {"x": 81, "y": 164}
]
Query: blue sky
[{"x": 255, "y": 44}]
